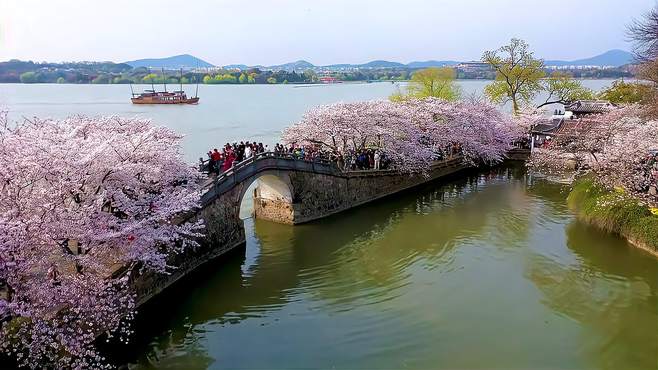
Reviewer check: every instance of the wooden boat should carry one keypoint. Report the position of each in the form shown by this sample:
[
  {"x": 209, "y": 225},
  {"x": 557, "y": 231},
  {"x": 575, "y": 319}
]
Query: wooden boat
[{"x": 164, "y": 97}]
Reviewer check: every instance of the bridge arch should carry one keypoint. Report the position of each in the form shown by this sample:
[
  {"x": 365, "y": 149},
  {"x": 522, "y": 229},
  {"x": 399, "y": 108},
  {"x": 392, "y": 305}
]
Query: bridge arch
[{"x": 271, "y": 196}]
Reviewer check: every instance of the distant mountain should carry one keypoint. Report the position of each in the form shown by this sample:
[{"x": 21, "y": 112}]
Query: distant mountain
[
  {"x": 613, "y": 58},
  {"x": 340, "y": 66},
  {"x": 300, "y": 65},
  {"x": 432, "y": 63},
  {"x": 178, "y": 61},
  {"x": 381, "y": 64}
]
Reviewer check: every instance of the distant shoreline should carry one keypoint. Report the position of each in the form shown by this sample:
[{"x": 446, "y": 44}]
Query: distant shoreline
[{"x": 291, "y": 83}]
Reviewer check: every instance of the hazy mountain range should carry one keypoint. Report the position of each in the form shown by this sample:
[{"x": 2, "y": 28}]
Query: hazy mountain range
[
  {"x": 173, "y": 62},
  {"x": 613, "y": 58}
]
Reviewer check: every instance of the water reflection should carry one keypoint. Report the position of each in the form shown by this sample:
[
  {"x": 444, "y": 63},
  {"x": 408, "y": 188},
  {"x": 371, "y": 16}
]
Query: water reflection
[
  {"x": 486, "y": 271},
  {"x": 610, "y": 291}
]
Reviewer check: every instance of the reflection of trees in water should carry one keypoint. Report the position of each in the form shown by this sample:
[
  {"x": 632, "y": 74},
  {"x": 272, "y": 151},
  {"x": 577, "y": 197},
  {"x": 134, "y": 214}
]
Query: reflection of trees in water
[
  {"x": 359, "y": 256},
  {"x": 426, "y": 232},
  {"x": 610, "y": 291},
  {"x": 182, "y": 349}
]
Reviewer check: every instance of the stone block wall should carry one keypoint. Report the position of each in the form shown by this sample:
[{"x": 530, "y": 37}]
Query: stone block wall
[{"x": 318, "y": 195}]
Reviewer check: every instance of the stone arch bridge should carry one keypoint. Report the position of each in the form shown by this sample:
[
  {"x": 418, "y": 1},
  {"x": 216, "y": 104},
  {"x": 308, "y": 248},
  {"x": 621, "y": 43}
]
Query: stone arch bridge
[{"x": 290, "y": 191}]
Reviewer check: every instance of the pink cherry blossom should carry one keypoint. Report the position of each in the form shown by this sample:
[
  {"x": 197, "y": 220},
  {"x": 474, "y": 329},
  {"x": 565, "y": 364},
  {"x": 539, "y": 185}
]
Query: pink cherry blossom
[
  {"x": 106, "y": 187},
  {"x": 410, "y": 132}
]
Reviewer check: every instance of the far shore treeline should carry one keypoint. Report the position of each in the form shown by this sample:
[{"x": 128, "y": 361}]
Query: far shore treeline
[{"x": 16, "y": 71}]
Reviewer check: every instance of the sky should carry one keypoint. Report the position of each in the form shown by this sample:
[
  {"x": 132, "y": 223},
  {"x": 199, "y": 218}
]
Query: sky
[{"x": 319, "y": 31}]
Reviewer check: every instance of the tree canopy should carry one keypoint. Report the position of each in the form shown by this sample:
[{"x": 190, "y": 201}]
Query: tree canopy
[
  {"x": 518, "y": 74},
  {"x": 613, "y": 146},
  {"x": 410, "y": 132},
  {"x": 644, "y": 33},
  {"x": 431, "y": 82},
  {"x": 108, "y": 187},
  {"x": 563, "y": 89},
  {"x": 621, "y": 92}
]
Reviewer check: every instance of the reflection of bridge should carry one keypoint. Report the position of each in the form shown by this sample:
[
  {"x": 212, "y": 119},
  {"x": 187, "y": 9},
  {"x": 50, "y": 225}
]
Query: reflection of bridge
[{"x": 289, "y": 191}]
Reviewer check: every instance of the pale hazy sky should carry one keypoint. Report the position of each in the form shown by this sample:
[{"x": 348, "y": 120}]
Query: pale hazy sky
[{"x": 322, "y": 32}]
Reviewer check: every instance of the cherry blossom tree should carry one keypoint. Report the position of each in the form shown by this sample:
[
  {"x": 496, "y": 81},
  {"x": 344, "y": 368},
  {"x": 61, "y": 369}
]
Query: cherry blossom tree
[
  {"x": 82, "y": 199},
  {"x": 411, "y": 132},
  {"x": 613, "y": 146}
]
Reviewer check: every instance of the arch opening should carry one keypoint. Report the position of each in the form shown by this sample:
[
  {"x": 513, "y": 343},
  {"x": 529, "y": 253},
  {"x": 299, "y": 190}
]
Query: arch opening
[{"x": 268, "y": 197}]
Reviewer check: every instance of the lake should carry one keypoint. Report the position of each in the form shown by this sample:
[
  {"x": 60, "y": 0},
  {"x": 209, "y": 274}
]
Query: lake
[
  {"x": 488, "y": 270},
  {"x": 226, "y": 113}
]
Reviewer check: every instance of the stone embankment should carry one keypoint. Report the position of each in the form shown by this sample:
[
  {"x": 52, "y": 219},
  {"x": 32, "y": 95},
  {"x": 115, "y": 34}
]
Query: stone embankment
[{"x": 615, "y": 211}]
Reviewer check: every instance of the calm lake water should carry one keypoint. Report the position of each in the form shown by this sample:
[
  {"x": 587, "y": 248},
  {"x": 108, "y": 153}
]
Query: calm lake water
[
  {"x": 488, "y": 270},
  {"x": 226, "y": 113}
]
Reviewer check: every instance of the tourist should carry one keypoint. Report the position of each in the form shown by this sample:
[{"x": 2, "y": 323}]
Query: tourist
[
  {"x": 370, "y": 159},
  {"x": 202, "y": 164},
  {"x": 247, "y": 151},
  {"x": 216, "y": 157}
]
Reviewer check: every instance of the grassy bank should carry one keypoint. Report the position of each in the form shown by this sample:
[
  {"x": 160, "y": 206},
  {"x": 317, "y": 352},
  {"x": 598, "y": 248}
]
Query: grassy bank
[{"x": 615, "y": 211}]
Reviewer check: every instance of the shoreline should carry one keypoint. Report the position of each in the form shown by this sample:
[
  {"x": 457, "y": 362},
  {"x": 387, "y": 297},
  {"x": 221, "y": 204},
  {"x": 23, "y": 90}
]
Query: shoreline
[
  {"x": 616, "y": 212},
  {"x": 292, "y": 83}
]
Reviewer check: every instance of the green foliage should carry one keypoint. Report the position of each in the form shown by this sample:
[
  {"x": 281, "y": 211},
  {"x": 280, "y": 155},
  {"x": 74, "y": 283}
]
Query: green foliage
[
  {"x": 271, "y": 80},
  {"x": 28, "y": 77},
  {"x": 614, "y": 211},
  {"x": 518, "y": 74},
  {"x": 431, "y": 82},
  {"x": 122, "y": 80},
  {"x": 150, "y": 78},
  {"x": 61, "y": 80},
  {"x": 102, "y": 79},
  {"x": 243, "y": 78},
  {"x": 621, "y": 92},
  {"x": 310, "y": 76},
  {"x": 563, "y": 89},
  {"x": 397, "y": 96},
  {"x": 225, "y": 78},
  {"x": 646, "y": 230}
]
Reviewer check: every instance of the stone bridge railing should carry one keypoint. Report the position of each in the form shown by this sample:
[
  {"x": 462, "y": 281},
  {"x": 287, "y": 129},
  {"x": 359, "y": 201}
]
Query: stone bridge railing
[{"x": 262, "y": 162}]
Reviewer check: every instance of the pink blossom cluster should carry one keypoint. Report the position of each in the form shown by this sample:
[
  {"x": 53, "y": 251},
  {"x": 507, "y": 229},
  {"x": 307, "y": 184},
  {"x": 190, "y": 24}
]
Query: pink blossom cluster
[
  {"x": 80, "y": 199},
  {"x": 409, "y": 132},
  {"x": 617, "y": 147}
]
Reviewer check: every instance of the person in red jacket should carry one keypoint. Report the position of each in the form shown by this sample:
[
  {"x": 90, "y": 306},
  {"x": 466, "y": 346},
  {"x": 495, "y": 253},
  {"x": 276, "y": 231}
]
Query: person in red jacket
[{"x": 216, "y": 158}]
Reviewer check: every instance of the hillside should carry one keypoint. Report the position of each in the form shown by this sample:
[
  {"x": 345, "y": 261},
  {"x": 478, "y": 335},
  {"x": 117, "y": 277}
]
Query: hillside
[
  {"x": 613, "y": 58},
  {"x": 185, "y": 61}
]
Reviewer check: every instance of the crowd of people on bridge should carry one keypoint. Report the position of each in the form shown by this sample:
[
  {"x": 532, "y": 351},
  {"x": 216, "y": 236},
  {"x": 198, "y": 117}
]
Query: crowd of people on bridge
[
  {"x": 231, "y": 154},
  {"x": 346, "y": 160}
]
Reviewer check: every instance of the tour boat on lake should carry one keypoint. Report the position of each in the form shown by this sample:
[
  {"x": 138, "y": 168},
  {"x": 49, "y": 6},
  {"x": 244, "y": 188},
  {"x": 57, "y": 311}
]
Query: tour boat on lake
[{"x": 164, "y": 97}]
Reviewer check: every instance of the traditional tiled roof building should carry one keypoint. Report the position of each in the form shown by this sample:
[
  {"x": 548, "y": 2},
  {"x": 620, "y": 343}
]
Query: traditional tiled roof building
[{"x": 581, "y": 108}]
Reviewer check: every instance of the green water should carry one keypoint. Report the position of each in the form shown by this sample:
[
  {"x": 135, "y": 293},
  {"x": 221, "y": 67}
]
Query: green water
[{"x": 490, "y": 271}]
